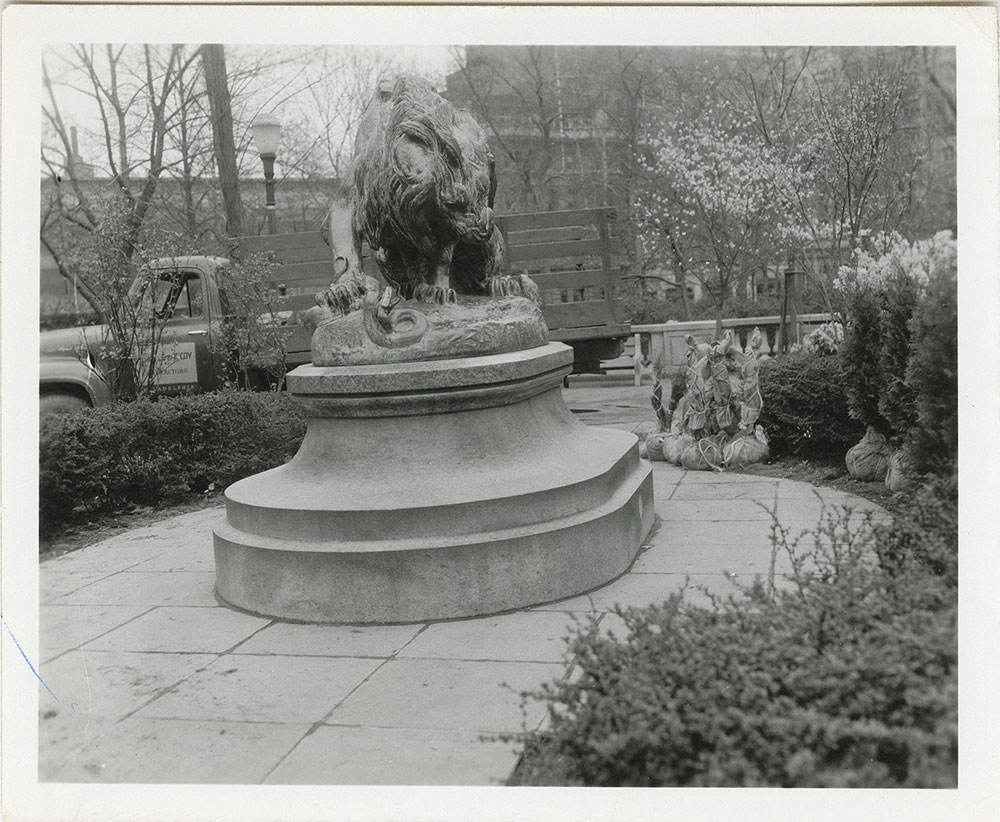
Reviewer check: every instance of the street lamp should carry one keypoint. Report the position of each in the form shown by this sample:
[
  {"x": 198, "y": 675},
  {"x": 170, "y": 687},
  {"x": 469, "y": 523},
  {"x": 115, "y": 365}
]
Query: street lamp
[{"x": 266, "y": 134}]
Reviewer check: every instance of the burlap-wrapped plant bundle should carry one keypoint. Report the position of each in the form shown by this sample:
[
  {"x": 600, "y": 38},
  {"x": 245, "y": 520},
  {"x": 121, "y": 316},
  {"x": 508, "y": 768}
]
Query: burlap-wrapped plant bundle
[
  {"x": 674, "y": 445},
  {"x": 746, "y": 448},
  {"x": 654, "y": 445},
  {"x": 713, "y": 424},
  {"x": 899, "y": 475},
  {"x": 868, "y": 461},
  {"x": 703, "y": 455}
]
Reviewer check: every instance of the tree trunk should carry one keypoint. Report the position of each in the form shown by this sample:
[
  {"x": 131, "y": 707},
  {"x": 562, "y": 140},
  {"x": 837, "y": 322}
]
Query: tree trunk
[
  {"x": 720, "y": 307},
  {"x": 216, "y": 84},
  {"x": 681, "y": 281}
]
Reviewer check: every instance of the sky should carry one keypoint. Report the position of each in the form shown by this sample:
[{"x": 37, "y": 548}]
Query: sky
[{"x": 290, "y": 89}]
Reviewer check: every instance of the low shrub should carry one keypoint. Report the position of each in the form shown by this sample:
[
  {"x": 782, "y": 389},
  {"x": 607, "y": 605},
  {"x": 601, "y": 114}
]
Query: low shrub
[
  {"x": 805, "y": 411},
  {"x": 847, "y": 679},
  {"x": 108, "y": 459}
]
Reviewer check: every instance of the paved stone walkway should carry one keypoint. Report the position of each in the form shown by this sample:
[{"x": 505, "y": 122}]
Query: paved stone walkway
[{"x": 158, "y": 682}]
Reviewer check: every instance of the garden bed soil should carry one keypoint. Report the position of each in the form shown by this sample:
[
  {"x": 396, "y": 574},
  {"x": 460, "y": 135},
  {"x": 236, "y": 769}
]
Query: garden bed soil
[
  {"x": 828, "y": 474},
  {"x": 72, "y": 537}
]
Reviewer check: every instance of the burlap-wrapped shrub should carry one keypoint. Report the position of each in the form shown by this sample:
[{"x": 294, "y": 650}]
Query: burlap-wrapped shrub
[
  {"x": 703, "y": 455},
  {"x": 869, "y": 459},
  {"x": 654, "y": 445},
  {"x": 674, "y": 445},
  {"x": 900, "y": 474},
  {"x": 746, "y": 448}
]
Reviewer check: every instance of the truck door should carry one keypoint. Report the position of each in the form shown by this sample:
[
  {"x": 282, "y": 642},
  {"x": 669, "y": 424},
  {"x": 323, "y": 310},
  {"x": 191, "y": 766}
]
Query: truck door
[{"x": 184, "y": 358}]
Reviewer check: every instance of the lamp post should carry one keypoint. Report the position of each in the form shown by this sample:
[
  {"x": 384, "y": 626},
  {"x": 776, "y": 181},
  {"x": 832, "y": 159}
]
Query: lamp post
[
  {"x": 266, "y": 134},
  {"x": 791, "y": 294}
]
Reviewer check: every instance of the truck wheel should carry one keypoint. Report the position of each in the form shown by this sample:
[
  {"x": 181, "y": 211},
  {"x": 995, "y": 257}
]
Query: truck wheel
[{"x": 50, "y": 404}]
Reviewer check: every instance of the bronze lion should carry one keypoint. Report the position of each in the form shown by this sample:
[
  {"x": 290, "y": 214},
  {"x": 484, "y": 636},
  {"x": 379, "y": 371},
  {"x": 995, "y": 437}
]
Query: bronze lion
[{"x": 422, "y": 186}]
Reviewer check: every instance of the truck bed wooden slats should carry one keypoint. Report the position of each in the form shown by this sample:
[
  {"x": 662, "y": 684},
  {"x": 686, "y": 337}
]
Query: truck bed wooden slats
[
  {"x": 296, "y": 274},
  {"x": 510, "y": 223},
  {"x": 297, "y": 302},
  {"x": 558, "y": 234},
  {"x": 570, "y": 248},
  {"x": 310, "y": 254},
  {"x": 580, "y": 244},
  {"x": 298, "y": 340},
  {"x": 576, "y": 314},
  {"x": 583, "y": 237},
  {"x": 571, "y": 279},
  {"x": 279, "y": 242}
]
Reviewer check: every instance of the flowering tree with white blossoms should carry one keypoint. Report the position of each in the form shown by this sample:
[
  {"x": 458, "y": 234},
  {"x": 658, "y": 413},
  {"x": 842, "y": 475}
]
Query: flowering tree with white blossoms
[
  {"x": 854, "y": 151},
  {"x": 717, "y": 205}
]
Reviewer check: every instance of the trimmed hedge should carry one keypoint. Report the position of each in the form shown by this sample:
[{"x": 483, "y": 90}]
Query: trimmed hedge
[
  {"x": 108, "y": 459},
  {"x": 805, "y": 411},
  {"x": 847, "y": 680}
]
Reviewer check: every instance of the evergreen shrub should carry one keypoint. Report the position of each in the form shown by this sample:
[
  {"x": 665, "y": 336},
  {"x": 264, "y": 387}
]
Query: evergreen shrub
[
  {"x": 862, "y": 363},
  {"x": 932, "y": 377},
  {"x": 900, "y": 345},
  {"x": 900, "y": 298},
  {"x": 805, "y": 411},
  {"x": 106, "y": 460},
  {"x": 847, "y": 678}
]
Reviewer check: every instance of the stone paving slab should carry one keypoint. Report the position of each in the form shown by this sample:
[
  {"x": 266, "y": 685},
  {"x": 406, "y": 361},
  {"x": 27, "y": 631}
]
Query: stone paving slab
[
  {"x": 763, "y": 491},
  {"x": 59, "y": 582},
  {"x": 376, "y": 641},
  {"x": 62, "y": 627},
  {"x": 93, "y": 692},
  {"x": 158, "y": 682},
  {"x": 393, "y": 756},
  {"x": 448, "y": 694},
  {"x": 136, "y": 588},
  {"x": 181, "y": 630},
  {"x": 526, "y": 636},
  {"x": 716, "y": 510},
  {"x": 148, "y": 750},
  {"x": 269, "y": 688},
  {"x": 707, "y": 559}
]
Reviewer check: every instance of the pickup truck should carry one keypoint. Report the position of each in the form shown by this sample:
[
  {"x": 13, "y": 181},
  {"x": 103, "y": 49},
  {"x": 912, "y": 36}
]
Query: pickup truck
[{"x": 571, "y": 255}]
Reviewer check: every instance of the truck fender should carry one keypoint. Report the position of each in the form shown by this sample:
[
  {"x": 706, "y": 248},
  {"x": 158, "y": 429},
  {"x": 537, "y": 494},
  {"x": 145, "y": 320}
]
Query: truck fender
[{"x": 75, "y": 377}]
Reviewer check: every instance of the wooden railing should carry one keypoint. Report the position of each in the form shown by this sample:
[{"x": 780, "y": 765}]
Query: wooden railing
[{"x": 666, "y": 340}]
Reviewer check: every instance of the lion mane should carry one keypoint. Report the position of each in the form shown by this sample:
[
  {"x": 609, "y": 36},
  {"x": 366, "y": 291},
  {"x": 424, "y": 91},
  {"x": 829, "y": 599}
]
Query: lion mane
[{"x": 423, "y": 188}]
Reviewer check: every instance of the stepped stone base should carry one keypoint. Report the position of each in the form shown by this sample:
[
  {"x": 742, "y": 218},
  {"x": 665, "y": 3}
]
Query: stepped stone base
[{"x": 434, "y": 490}]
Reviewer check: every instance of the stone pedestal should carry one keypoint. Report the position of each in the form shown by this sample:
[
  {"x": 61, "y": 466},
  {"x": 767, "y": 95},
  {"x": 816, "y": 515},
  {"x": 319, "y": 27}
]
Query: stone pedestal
[{"x": 434, "y": 490}]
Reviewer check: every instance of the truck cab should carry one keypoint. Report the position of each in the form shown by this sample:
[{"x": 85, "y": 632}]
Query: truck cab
[{"x": 184, "y": 294}]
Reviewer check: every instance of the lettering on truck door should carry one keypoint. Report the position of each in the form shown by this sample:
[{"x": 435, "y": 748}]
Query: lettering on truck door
[{"x": 184, "y": 357}]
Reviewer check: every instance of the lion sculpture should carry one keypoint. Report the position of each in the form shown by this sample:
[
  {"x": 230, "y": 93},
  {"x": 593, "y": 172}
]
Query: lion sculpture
[{"x": 421, "y": 196}]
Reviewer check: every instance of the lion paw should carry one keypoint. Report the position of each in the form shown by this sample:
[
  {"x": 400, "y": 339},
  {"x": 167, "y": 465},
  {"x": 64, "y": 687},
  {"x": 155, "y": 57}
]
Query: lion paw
[
  {"x": 513, "y": 286},
  {"x": 342, "y": 298},
  {"x": 441, "y": 295}
]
